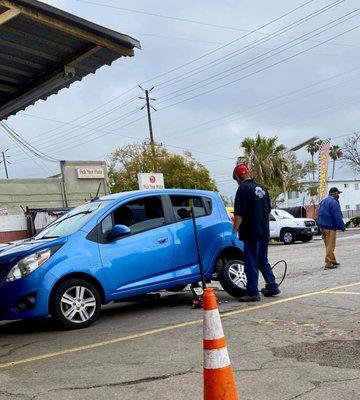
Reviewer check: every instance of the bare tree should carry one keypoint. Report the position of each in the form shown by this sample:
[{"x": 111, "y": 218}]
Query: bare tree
[{"x": 351, "y": 152}]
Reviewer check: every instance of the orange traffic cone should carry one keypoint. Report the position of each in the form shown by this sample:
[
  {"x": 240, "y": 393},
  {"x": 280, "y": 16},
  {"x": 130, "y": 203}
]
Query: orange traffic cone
[{"x": 219, "y": 382}]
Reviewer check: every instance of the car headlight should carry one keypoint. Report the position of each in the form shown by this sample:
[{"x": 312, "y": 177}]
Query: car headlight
[
  {"x": 300, "y": 223},
  {"x": 28, "y": 265}
]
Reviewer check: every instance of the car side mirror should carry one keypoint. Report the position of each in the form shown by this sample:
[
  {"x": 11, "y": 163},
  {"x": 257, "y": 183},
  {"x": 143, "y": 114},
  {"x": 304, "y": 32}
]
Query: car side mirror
[{"x": 117, "y": 232}]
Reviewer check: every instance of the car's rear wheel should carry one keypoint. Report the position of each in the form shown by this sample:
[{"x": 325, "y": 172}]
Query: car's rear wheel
[
  {"x": 287, "y": 236},
  {"x": 233, "y": 279},
  {"x": 76, "y": 304}
]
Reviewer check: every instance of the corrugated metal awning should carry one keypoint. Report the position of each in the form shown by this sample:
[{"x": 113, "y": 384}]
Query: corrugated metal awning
[{"x": 44, "y": 49}]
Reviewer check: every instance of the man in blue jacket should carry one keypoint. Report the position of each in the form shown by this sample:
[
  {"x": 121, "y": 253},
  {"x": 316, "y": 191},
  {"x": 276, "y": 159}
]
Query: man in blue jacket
[{"x": 330, "y": 221}]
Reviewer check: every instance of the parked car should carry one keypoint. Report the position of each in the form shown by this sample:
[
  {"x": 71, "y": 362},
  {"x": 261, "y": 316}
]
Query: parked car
[
  {"x": 289, "y": 229},
  {"x": 117, "y": 247}
]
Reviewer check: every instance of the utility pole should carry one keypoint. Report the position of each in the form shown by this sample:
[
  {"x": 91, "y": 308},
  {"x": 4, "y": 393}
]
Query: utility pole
[
  {"x": 5, "y": 161},
  {"x": 148, "y": 106}
]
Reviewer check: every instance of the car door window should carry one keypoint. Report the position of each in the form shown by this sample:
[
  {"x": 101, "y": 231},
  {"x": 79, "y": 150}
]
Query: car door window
[
  {"x": 107, "y": 224},
  {"x": 182, "y": 206},
  {"x": 139, "y": 215}
]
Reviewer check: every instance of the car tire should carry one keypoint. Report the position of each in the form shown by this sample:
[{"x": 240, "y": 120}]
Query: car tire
[
  {"x": 76, "y": 304},
  {"x": 287, "y": 237},
  {"x": 307, "y": 239},
  {"x": 232, "y": 278}
]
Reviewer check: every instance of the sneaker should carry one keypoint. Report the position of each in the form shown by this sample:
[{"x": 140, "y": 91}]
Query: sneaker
[
  {"x": 270, "y": 292},
  {"x": 247, "y": 298},
  {"x": 330, "y": 266}
]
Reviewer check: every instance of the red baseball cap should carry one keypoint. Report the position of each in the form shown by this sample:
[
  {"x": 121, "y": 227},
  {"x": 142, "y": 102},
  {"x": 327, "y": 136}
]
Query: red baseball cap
[{"x": 239, "y": 170}]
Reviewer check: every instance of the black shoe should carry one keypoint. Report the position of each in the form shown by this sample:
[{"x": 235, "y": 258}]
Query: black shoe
[
  {"x": 337, "y": 264},
  {"x": 270, "y": 292},
  {"x": 247, "y": 298}
]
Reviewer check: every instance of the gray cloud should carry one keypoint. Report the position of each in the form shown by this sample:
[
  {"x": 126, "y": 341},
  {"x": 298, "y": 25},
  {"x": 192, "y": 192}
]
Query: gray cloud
[{"x": 328, "y": 109}]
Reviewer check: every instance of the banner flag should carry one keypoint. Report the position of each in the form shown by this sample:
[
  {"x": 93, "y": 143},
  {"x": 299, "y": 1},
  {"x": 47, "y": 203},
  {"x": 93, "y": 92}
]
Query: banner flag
[{"x": 323, "y": 168}]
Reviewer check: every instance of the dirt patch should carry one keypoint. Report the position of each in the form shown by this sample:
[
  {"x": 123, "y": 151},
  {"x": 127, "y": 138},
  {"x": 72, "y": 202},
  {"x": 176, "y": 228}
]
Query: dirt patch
[{"x": 329, "y": 353}]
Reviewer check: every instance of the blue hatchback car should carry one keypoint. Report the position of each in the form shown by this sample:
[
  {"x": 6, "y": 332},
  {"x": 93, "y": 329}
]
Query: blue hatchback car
[{"x": 118, "y": 247}]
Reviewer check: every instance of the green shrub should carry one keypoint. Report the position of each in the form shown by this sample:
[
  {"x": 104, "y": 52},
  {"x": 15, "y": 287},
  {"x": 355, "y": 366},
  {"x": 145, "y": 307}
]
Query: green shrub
[{"x": 353, "y": 223}]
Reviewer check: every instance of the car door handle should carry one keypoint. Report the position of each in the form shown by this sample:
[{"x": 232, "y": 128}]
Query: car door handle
[{"x": 163, "y": 240}]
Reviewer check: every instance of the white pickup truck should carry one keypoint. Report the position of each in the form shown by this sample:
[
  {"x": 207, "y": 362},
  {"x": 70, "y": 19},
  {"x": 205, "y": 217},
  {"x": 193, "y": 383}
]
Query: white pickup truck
[{"x": 289, "y": 229}]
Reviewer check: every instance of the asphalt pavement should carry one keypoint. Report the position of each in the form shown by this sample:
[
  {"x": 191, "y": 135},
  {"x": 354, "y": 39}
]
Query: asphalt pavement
[{"x": 303, "y": 344}]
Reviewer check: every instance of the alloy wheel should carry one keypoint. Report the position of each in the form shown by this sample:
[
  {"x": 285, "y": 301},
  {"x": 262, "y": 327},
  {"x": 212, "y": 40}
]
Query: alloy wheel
[
  {"x": 288, "y": 237},
  {"x": 237, "y": 274},
  {"x": 78, "y": 304}
]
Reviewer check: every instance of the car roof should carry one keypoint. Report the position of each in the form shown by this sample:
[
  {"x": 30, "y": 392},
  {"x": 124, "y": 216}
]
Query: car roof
[{"x": 157, "y": 192}]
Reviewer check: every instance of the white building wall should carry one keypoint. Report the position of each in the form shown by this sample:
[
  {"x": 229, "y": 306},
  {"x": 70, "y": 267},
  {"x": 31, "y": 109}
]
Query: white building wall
[{"x": 349, "y": 199}]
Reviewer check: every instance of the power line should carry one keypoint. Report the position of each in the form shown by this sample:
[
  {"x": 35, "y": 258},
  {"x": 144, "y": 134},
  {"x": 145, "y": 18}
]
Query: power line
[
  {"x": 227, "y": 115},
  {"x": 13, "y": 135},
  {"x": 39, "y": 137},
  {"x": 256, "y": 43},
  {"x": 269, "y": 23},
  {"x": 225, "y": 45},
  {"x": 169, "y": 71},
  {"x": 171, "y": 105},
  {"x": 87, "y": 127},
  {"x": 167, "y": 37},
  {"x": 249, "y": 108},
  {"x": 95, "y": 139},
  {"x": 176, "y": 137},
  {"x": 193, "y": 87},
  {"x": 259, "y": 70},
  {"x": 272, "y": 21},
  {"x": 178, "y": 18},
  {"x": 29, "y": 156},
  {"x": 185, "y": 93}
]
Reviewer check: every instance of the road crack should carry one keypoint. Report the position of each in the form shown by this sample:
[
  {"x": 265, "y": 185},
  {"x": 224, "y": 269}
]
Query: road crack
[
  {"x": 116, "y": 384},
  {"x": 9, "y": 395}
]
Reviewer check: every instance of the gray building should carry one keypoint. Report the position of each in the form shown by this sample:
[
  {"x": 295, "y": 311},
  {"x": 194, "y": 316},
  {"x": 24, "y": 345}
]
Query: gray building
[
  {"x": 77, "y": 182},
  {"x": 28, "y": 204}
]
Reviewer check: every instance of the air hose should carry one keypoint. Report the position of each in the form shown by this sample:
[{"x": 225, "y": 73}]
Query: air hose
[{"x": 285, "y": 270}]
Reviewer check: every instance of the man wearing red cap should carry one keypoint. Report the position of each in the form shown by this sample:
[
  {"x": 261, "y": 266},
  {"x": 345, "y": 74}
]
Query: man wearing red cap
[{"x": 251, "y": 220}]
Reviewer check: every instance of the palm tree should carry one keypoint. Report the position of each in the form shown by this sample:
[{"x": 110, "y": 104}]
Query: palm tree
[
  {"x": 335, "y": 153},
  {"x": 265, "y": 158},
  {"x": 312, "y": 149}
]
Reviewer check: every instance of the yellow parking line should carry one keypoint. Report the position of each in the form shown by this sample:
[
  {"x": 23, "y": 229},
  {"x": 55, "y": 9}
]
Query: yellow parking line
[
  {"x": 333, "y": 292},
  {"x": 165, "y": 329}
]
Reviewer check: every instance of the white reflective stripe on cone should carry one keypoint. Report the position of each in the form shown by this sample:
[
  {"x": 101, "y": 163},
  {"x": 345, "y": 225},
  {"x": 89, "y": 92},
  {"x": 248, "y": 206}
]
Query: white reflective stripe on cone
[
  {"x": 218, "y": 358},
  {"x": 212, "y": 325}
]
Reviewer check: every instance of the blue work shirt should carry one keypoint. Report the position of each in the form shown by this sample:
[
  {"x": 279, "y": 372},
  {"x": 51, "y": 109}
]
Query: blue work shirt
[{"x": 330, "y": 215}]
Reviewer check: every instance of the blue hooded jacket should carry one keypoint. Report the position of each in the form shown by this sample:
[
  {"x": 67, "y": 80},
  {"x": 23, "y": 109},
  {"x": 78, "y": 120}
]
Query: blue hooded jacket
[{"x": 330, "y": 215}]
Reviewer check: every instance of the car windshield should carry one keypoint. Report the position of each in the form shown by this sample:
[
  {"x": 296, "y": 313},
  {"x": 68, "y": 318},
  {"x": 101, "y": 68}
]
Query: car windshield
[
  {"x": 72, "y": 221},
  {"x": 283, "y": 214}
]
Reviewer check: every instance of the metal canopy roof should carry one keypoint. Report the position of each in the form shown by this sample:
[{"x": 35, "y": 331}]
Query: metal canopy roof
[{"x": 44, "y": 49}]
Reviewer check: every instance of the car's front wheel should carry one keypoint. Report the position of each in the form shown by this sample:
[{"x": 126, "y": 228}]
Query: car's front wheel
[
  {"x": 287, "y": 236},
  {"x": 233, "y": 279},
  {"x": 76, "y": 304}
]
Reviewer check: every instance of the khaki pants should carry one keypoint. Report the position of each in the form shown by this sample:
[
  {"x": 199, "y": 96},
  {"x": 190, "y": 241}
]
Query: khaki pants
[{"x": 329, "y": 238}]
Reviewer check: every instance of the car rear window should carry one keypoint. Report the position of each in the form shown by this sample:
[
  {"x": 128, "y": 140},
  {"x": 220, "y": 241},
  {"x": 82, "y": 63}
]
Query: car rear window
[{"x": 182, "y": 206}]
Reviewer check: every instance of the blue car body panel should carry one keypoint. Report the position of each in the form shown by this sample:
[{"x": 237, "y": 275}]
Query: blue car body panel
[{"x": 154, "y": 259}]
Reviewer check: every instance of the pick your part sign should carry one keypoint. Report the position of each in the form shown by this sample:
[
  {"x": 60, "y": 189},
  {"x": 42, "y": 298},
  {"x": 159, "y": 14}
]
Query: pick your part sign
[{"x": 151, "y": 181}]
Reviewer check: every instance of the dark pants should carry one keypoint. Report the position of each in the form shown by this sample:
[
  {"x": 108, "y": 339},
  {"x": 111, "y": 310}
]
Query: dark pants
[{"x": 256, "y": 259}]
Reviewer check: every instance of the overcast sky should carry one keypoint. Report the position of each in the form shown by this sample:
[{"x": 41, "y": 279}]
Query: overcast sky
[{"x": 266, "y": 85}]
